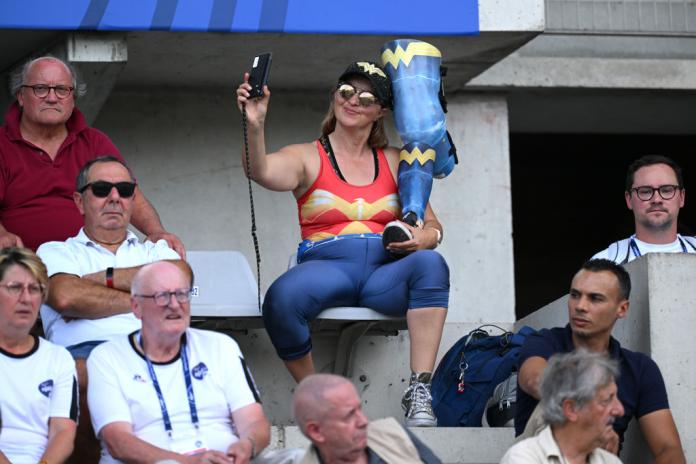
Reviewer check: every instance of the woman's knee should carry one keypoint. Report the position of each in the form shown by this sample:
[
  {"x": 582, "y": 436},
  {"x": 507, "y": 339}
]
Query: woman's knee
[
  {"x": 429, "y": 286},
  {"x": 429, "y": 269},
  {"x": 287, "y": 309},
  {"x": 430, "y": 259}
]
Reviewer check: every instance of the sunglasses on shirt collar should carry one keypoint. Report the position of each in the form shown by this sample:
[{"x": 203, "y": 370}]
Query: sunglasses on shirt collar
[
  {"x": 365, "y": 97},
  {"x": 102, "y": 189}
]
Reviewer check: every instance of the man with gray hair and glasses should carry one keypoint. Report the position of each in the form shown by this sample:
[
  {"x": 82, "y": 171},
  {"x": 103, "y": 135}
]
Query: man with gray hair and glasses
[
  {"x": 43, "y": 144},
  {"x": 655, "y": 193},
  {"x": 167, "y": 391},
  {"x": 579, "y": 403}
]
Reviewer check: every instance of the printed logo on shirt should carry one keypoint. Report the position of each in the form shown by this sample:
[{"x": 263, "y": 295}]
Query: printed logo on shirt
[
  {"x": 199, "y": 371},
  {"x": 45, "y": 388},
  {"x": 139, "y": 378}
]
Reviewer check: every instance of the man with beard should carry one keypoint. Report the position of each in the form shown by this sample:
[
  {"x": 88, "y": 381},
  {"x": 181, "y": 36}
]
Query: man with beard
[
  {"x": 580, "y": 404},
  {"x": 598, "y": 297},
  {"x": 328, "y": 411},
  {"x": 655, "y": 193}
]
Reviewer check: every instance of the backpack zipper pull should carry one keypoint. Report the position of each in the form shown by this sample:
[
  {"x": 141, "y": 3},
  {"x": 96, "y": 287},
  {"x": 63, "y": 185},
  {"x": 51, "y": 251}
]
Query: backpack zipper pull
[{"x": 460, "y": 385}]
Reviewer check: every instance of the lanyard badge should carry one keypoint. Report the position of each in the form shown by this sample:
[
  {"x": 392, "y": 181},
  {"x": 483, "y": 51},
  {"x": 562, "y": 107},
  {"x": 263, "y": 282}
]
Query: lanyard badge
[{"x": 183, "y": 443}]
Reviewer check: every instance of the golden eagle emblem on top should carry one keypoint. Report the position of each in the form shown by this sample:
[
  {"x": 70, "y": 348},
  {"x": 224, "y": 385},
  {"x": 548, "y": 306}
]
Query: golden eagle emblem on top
[{"x": 371, "y": 69}]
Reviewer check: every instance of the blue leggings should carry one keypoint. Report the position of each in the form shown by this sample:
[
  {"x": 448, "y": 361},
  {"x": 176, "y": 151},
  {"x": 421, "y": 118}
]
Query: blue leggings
[{"x": 350, "y": 272}]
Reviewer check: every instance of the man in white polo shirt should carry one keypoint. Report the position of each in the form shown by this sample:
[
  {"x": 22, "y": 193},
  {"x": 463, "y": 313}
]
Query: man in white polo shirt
[
  {"x": 655, "y": 193},
  {"x": 90, "y": 274}
]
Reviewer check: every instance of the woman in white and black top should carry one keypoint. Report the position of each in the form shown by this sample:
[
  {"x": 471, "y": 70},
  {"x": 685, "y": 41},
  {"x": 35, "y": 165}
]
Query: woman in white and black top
[{"x": 38, "y": 391}]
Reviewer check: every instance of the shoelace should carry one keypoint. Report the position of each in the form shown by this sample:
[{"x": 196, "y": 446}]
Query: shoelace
[{"x": 418, "y": 394}]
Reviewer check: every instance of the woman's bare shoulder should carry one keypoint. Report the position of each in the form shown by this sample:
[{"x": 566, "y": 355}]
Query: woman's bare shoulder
[
  {"x": 391, "y": 152},
  {"x": 392, "y": 155},
  {"x": 299, "y": 149}
]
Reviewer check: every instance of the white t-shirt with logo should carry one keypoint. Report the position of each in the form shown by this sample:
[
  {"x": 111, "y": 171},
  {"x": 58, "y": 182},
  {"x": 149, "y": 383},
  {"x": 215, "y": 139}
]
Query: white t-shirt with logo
[
  {"x": 34, "y": 387},
  {"x": 120, "y": 389},
  {"x": 621, "y": 252},
  {"x": 79, "y": 256}
]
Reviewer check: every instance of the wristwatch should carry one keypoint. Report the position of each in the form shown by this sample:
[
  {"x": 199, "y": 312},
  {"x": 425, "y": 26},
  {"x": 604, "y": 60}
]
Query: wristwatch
[{"x": 109, "y": 277}]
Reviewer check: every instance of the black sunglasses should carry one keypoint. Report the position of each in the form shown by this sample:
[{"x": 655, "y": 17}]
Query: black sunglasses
[{"x": 102, "y": 189}]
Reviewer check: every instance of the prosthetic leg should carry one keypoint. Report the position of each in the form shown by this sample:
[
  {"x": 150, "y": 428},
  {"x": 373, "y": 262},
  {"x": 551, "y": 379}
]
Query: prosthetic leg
[{"x": 419, "y": 115}]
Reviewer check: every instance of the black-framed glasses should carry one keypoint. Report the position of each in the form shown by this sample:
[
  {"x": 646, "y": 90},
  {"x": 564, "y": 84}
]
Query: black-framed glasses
[
  {"x": 16, "y": 288},
  {"x": 102, "y": 188},
  {"x": 42, "y": 90},
  {"x": 365, "y": 97},
  {"x": 182, "y": 295},
  {"x": 645, "y": 192}
]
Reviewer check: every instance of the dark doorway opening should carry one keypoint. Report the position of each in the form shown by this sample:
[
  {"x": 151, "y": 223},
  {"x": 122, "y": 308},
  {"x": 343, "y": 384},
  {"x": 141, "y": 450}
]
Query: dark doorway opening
[{"x": 568, "y": 203}]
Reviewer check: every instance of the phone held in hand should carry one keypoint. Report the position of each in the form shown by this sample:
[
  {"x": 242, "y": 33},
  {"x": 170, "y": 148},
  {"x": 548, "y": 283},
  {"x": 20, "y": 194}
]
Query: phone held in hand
[{"x": 258, "y": 76}]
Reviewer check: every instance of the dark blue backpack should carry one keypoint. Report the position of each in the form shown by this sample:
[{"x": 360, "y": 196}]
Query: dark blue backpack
[{"x": 469, "y": 372}]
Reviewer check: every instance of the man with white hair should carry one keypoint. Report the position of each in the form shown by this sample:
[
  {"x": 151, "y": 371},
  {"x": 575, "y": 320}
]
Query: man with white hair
[
  {"x": 328, "y": 410},
  {"x": 168, "y": 391},
  {"x": 44, "y": 142},
  {"x": 579, "y": 403}
]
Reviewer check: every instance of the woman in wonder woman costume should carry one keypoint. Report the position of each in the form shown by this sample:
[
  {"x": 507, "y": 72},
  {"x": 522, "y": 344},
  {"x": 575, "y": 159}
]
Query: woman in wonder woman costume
[{"x": 346, "y": 192}]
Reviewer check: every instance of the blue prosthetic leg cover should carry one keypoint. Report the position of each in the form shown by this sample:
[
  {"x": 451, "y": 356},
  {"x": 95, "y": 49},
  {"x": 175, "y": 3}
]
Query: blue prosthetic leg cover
[
  {"x": 414, "y": 69},
  {"x": 416, "y": 162}
]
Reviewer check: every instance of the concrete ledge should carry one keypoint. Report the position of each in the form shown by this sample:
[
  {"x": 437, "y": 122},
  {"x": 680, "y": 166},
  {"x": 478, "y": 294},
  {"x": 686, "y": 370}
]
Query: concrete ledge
[
  {"x": 597, "y": 73},
  {"x": 453, "y": 445}
]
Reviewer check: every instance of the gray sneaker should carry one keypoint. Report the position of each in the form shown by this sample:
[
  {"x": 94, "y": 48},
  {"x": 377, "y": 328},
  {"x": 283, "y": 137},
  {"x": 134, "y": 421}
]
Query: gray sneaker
[{"x": 417, "y": 402}]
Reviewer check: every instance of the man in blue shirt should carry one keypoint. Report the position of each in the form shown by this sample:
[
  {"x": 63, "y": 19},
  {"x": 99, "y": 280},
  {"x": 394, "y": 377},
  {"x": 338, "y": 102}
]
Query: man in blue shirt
[{"x": 598, "y": 297}]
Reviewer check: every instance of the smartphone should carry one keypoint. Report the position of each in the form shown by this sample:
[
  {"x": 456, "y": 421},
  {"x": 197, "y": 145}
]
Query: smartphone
[{"x": 258, "y": 76}]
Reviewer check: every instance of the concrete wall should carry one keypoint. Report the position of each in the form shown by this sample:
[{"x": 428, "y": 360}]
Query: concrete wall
[
  {"x": 659, "y": 323},
  {"x": 185, "y": 151}
]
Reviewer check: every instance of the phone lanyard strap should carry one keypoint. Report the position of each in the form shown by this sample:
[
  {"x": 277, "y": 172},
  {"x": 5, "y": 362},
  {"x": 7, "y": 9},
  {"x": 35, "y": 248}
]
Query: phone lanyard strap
[
  {"x": 189, "y": 388},
  {"x": 638, "y": 254}
]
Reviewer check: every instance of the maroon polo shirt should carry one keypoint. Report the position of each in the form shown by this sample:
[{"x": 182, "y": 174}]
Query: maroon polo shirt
[{"x": 36, "y": 193}]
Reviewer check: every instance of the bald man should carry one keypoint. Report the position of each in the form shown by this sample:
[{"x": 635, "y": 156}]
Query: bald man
[
  {"x": 208, "y": 409},
  {"x": 328, "y": 411}
]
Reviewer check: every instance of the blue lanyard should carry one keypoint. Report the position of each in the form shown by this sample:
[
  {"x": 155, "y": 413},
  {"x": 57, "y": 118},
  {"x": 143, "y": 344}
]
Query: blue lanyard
[
  {"x": 158, "y": 390},
  {"x": 637, "y": 253}
]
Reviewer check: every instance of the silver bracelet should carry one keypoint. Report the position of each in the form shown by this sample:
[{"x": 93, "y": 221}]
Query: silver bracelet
[{"x": 439, "y": 234}]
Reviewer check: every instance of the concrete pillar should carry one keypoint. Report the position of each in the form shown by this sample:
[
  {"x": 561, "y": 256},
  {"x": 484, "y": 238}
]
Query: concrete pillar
[
  {"x": 99, "y": 58},
  {"x": 474, "y": 204}
]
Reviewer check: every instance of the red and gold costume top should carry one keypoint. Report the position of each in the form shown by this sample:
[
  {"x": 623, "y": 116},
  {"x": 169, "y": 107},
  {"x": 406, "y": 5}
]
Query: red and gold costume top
[{"x": 333, "y": 207}]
